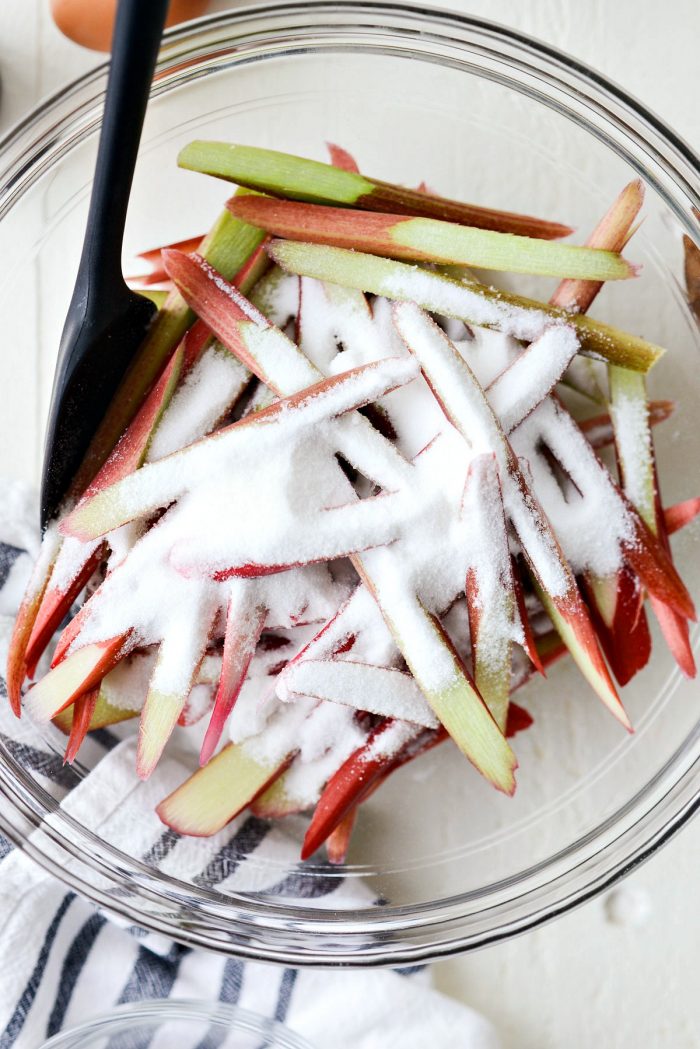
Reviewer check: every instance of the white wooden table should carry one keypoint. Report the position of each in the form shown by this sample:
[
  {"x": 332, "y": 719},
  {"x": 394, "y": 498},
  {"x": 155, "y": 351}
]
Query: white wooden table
[{"x": 585, "y": 980}]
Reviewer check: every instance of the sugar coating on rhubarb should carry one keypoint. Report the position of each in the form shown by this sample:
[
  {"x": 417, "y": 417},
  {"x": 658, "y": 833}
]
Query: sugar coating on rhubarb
[
  {"x": 254, "y": 506},
  {"x": 206, "y": 394},
  {"x": 630, "y": 417},
  {"x": 576, "y": 515}
]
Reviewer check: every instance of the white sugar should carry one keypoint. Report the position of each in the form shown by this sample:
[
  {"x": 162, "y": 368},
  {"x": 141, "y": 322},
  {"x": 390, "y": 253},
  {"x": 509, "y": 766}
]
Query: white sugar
[
  {"x": 531, "y": 376},
  {"x": 126, "y": 686},
  {"x": 325, "y": 740},
  {"x": 633, "y": 439},
  {"x": 455, "y": 299},
  {"x": 388, "y": 693},
  {"x": 590, "y": 523},
  {"x": 207, "y": 393},
  {"x": 276, "y": 295},
  {"x": 71, "y": 559},
  {"x": 391, "y": 741}
]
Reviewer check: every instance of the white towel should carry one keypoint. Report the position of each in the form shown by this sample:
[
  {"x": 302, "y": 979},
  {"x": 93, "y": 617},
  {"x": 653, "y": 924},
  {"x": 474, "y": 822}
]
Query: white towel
[{"x": 62, "y": 961}]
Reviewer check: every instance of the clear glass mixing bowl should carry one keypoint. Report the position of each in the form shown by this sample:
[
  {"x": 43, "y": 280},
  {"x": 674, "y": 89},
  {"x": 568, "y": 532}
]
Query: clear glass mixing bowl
[
  {"x": 177, "y": 1023},
  {"x": 484, "y": 114}
]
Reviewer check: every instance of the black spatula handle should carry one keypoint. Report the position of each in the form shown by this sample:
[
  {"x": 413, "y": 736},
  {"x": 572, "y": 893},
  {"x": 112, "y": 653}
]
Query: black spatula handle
[{"x": 137, "y": 33}]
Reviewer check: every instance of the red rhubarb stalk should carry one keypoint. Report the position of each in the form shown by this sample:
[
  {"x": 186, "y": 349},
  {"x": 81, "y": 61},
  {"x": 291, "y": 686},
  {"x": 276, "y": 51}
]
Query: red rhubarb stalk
[
  {"x": 83, "y": 711},
  {"x": 427, "y": 240}
]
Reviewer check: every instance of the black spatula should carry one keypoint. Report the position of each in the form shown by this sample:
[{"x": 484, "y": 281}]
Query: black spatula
[{"x": 106, "y": 322}]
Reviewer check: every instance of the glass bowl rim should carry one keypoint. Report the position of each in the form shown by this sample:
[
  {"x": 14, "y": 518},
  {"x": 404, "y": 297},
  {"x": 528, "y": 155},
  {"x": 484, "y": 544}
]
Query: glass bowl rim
[
  {"x": 292, "y": 935},
  {"x": 121, "y": 1017}
]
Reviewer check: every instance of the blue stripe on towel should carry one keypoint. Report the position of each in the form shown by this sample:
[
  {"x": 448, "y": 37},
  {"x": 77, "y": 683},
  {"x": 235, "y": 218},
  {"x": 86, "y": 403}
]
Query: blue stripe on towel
[
  {"x": 73, "y": 965},
  {"x": 26, "y": 999},
  {"x": 284, "y": 1000},
  {"x": 228, "y": 859}
]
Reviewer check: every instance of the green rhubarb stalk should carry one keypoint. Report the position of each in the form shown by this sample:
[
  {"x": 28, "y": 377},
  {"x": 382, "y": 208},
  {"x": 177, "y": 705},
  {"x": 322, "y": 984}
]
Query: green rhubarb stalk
[
  {"x": 215, "y": 794},
  {"x": 429, "y": 240},
  {"x": 227, "y": 246},
  {"x": 471, "y": 302},
  {"x": 296, "y": 178}
]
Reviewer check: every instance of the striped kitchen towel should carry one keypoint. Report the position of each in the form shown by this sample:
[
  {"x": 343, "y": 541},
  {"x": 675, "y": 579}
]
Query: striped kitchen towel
[{"x": 63, "y": 961}]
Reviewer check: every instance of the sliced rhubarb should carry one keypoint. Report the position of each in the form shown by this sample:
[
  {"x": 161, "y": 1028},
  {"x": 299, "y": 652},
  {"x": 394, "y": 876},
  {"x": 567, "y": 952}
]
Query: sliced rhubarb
[
  {"x": 156, "y": 274},
  {"x": 281, "y": 174},
  {"x": 244, "y": 625},
  {"x": 353, "y": 780},
  {"x": 443, "y": 679},
  {"x": 215, "y": 794},
  {"x": 612, "y": 234},
  {"x": 227, "y": 246},
  {"x": 491, "y": 598},
  {"x": 16, "y": 670},
  {"x": 158, "y": 484},
  {"x": 275, "y": 803},
  {"x": 340, "y": 158},
  {"x": 615, "y": 600},
  {"x": 520, "y": 387},
  {"x": 174, "y": 675},
  {"x": 104, "y": 715},
  {"x": 646, "y": 556},
  {"x": 465, "y": 405},
  {"x": 77, "y": 674},
  {"x": 472, "y": 303},
  {"x": 83, "y": 713},
  {"x": 529, "y": 641},
  {"x": 377, "y": 690},
  {"x": 428, "y": 240},
  {"x": 599, "y": 429},
  {"x": 680, "y": 515},
  {"x": 635, "y": 453},
  {"x": 616, "y": 604},
  {"x": 338, "y": 841}
]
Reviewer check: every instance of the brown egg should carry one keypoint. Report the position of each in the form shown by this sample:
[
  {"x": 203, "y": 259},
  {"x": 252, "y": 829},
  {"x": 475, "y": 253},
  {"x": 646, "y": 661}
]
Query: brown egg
[{"x": 89, "y": 22}]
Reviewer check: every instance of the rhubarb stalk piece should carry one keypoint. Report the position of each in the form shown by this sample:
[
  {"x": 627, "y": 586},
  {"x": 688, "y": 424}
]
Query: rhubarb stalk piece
[
  {"x": 612, "y": 233},
  {"x": 83, "y": 714},
  {"x": 244, "y": 624},
  {"x": 599, "y": 430},
  {"x": 452, "y": 697},
  {"x": 616, "y": 601},
  {"x": 227, "y": 246},
  {"x": 472, "y": 303},
  {"x": 428, "y": 240},
  {"x": 635, "y": 453},
  {"x": 210, "y": 799},
  {"x": 490, "y": 591},
  {"x": 103, "y": 715},
  {"x": 16, "y": 670},
  {"x": 284, "y": 175},
  {"x": 467, "y": 408},
  {"x": 681, "y": 514},
  {"x": 77, "y": 674}
]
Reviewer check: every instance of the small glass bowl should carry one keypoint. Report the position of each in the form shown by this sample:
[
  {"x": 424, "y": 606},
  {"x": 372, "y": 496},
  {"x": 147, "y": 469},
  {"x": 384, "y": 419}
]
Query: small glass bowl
[
  {"x": 179, "y": 1023},
  {"x": 482, "y": 113}
]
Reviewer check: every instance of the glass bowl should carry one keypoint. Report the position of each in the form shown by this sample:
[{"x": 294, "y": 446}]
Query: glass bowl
[
  {"x": 177, "y": 1023},
  {"x": 484, "y": 114}
]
